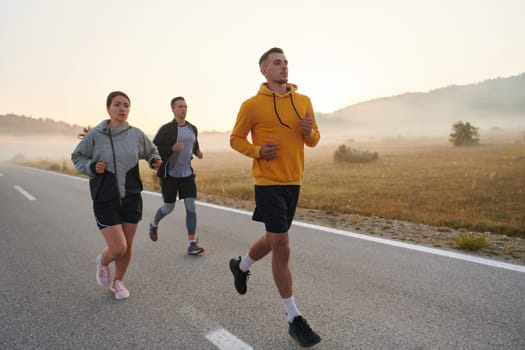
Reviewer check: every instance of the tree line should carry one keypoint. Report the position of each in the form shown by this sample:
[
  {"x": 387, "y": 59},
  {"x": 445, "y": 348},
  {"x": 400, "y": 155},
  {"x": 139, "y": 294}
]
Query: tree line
[{"x": 22, "y": 125}]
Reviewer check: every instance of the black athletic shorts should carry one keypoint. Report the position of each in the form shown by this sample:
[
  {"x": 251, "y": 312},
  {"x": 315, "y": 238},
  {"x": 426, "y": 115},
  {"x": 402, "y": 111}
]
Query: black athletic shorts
[
  {"x": 183, "y": 186},
  {"x": 110, "y": 213},
  {"x": 275, "y": 206}
]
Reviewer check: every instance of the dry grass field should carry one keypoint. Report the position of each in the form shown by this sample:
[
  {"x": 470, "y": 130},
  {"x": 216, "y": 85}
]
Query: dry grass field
[{"x": 479, "y": 188}]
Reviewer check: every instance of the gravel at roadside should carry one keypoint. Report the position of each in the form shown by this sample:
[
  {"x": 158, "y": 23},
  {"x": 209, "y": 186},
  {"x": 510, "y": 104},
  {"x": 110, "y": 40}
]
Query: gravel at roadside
[{"x": 498, "y": 247}]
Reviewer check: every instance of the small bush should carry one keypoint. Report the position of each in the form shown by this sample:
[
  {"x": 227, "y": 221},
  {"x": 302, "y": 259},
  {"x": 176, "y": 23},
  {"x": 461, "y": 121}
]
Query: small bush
[
  {"x": 464, "y": 134},
  {"x": 470, "y": 241},
  {"x": 352, "y": 155}
]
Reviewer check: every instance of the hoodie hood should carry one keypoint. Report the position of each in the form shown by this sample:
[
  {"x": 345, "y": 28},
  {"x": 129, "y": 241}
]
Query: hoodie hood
[
  {"x": 265, "y": 90},
  {"x": 102, "y": 127}
]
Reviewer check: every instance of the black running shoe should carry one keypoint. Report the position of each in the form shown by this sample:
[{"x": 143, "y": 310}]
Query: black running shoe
[
  {"x": 194, "y": 249},
  {"x": 239, "y": 277},
  {"x": 302, "y": 333},
  {"x": 153, "y": 232}
]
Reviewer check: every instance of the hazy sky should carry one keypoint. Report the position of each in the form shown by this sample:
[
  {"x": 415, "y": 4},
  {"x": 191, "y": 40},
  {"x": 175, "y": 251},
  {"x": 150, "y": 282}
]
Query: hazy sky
[{"x": 60, "y": 58}]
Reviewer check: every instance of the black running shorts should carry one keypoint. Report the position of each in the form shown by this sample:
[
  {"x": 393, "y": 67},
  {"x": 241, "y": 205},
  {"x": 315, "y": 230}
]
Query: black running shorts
[
  {"x": 111, "y": 213},
  {"x": 275, "y": 206},
  {"x": 183, "y": 186}
]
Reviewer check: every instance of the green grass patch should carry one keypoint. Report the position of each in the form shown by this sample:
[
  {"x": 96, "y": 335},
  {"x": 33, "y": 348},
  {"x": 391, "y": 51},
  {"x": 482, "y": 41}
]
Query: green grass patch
[{"x": 470, "y": 241}]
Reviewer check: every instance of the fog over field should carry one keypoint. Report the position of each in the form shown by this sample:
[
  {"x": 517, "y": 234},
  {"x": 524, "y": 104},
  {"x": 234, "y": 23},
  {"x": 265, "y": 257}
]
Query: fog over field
[
  {"x": 35, "y": 146},
  {"x": 59, "y": 147}
]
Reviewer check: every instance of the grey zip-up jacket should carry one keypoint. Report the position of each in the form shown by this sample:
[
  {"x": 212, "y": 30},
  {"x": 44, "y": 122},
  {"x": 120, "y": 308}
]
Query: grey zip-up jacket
[{"x": 125, "y": 145}]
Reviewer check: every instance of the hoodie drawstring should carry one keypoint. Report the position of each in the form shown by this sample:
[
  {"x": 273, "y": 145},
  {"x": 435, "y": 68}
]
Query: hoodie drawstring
[{"x": 277, "y": 113}]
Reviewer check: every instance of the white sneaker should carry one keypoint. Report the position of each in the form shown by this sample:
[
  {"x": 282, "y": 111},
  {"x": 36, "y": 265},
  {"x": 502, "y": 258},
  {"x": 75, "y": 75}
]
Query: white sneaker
[
  {"x": 121, "y": 292},
  {"x": 103, "y": 273}
]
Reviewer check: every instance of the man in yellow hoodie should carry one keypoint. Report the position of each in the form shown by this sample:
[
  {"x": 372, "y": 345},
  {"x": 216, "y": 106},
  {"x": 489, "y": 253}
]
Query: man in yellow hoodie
[{"x": 281, "y": 121}]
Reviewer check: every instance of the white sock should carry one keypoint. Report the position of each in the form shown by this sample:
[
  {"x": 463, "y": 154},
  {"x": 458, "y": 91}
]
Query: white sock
[
  {"x": 190, "y": 241},
  {"x": 153, "y": 224},
  {"x": 291, "y": 308},
  {"x": 246, "y": 263}
]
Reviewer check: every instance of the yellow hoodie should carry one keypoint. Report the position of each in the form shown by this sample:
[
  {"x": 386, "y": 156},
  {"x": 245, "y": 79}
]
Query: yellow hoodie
[{"x": 271, "y": 117}]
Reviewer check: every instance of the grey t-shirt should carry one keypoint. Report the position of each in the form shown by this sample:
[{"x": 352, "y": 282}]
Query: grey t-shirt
[{"x": 180, "y": 162}]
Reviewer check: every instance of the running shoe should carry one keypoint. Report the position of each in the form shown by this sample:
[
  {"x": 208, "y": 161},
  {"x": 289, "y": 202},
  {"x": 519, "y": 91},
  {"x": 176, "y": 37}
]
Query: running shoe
[
  {"x": 120, "y": 291},
  {"x": 302, "y": 333},
  {"x": 153, "y": 232},
  {"x": 194, "y": 249},
  {"x": 103, "y": 273},
  {"x": 239, "y": 276}
]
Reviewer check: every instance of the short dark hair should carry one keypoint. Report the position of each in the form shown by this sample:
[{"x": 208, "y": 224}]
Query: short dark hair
[
  {"x": 175, "y": 99},
  {"x": 265, "y": 55},
  {"x": 114, "y": 94}
]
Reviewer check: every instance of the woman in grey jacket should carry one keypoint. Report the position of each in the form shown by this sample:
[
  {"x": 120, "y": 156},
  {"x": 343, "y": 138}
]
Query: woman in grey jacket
[{"x": 109, "y": 154}]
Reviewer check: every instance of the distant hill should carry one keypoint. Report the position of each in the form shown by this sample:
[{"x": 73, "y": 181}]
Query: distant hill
[
  {"x": 19, "y": 125},
  {"x": 495, "y": 104}
]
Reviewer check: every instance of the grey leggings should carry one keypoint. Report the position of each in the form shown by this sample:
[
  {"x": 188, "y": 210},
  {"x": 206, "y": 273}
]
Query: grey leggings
[{"x": 191, "y": 214}]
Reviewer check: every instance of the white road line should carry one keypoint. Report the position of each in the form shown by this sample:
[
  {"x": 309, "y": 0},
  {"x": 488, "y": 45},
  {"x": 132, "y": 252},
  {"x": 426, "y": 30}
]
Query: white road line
[
  {"x": 61, "y": 174},
  {"x": 453, "y": 255},
  {"x": 418, "y": 248},
  {"x": 224, "y": 340},
  {"x": 220, "y": 207},
  {"x": 211, "y": 330},
  {"x": 24, "y": 193}
]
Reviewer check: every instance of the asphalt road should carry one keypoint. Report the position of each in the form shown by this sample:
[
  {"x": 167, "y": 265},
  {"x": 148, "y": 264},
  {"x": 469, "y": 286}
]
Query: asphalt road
[{"x": 356, "y": 294}]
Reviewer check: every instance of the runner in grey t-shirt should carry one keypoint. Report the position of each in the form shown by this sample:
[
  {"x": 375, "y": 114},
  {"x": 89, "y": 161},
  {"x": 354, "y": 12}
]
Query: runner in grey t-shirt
[
  {"x": 179, "y": 162},
  {"x": 177, "y": 143}
]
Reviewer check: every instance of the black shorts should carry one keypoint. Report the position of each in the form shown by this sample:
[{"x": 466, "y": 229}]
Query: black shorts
[
  {"x": 183, "y": 186},
  {"x": 275, "y": 206},
  {"x": 111, "y": 213}
]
